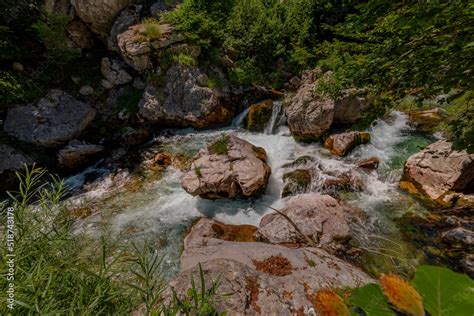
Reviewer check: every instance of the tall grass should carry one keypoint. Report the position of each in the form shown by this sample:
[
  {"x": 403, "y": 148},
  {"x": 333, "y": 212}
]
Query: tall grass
[{"x": 58, "y": 272}]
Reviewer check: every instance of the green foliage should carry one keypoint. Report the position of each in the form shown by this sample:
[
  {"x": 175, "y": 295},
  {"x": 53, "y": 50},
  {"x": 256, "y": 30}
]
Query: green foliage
[
  {"x": 128, "y": 101},
  {"x": 444, "y": 292},
  {"x": 51, "y": 31},
  {"x": 371, "y": 300},
  {"x": 199, "y": 301},
  {"x": 220, "y": 146},
  {"x": 263, "y": 39},
  {"x": 185, "y": 60},
  {"x": 150, "y": 28},
  {"x": 56, "y": 273}
]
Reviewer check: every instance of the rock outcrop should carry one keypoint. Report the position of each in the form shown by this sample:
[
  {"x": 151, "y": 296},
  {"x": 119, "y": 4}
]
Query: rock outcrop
[
  {"x": 11, "y": 160},
  {"x": 438, "y": 170},
  {"x": 258, "y": 116},
  {"x": 319, "y": 217},
  {"x": 99, "y": 14},
  {"x": 310, "y": 113},
  {"x": 53, "y": 120},
  {"x": 128, "y": 17},
  {"x": 183, "y": 101},
  {"x": 425, "y": 121},
  {"x": 342, "y": 144},
  {"x": 263, "y": 279},
  {"x": 76, "y": 154},
  {"x": 114, "y": 73},
  {"x": 138, "y": 49},
  {"x": 228, "y": 168}
]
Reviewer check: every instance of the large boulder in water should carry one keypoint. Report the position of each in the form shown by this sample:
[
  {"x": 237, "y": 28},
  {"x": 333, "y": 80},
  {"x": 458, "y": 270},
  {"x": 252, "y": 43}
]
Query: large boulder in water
[
  {"x": 184, "y": 101},
  {"x": 99, "y": 14},
  {"x": 311, "y": 113},
  {"x": 320, "y": 218},
  {"x": 263, "y": 278},
  {"x": 53, "y": 120},
  {"x": 342, "y": 144},
  {"x": 438, "y": 170},
  {"x": 228, "y": 168}
]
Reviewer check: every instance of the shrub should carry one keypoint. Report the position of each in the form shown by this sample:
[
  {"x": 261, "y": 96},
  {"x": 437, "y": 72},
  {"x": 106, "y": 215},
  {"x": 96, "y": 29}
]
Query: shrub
[
  {"x": 150, "y": 28},
  {"x": 220, "y": 146}
]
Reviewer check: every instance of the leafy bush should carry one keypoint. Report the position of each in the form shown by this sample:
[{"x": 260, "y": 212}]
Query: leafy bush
[
  {"x": 56, "y": 273},
  {"x": 437, "y": 290},
  {"x": 184, "y": 59}
]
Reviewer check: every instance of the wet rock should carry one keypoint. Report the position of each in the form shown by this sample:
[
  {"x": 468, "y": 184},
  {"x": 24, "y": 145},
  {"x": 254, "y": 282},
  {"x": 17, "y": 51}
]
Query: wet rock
[
  {"x": 309, "y": 114},
  {"x": 138, "y": 50},
  {"x": 319, "y": 217},
  {"x": 99, "y": 14},
  {"x": 135, "y": 136},
  {"x": 228, "y": 168},
  {"x": 183, "y": 102},
  {"x": 371, "y": 163},
  {"x": 346, "y": 181},
  {"x": 53, "y": 120},
  {"x": 258, "y": 116},
  {"x": 300, "y": 161},
  {"x": 114, "y": 72},
  {"x": 296, "y": 182},
  {"x": 76, "y": 154},
  {"x": 209, "y": 228},
  {"x": 163, "y": 159},
  {"x": 437, "y": 170},
  {"x": 86, "y": 90},
  {"x": 128, "y": 17},
  {"x": 425, "y": 121},
  {"x": 459, "y": 235},
  {"x": 11, "y": 160},
  {"x": 342, "y": 144}
]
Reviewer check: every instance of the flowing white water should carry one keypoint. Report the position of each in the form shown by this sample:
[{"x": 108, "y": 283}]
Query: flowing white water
[
  {"x": 161, "y": 211},
  {"x": 277, "y": 119}
]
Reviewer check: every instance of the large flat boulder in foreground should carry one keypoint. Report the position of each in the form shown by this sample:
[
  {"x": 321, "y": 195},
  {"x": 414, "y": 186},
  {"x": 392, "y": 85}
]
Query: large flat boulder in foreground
[
  {"x": 52, "y": 121},
  {"x": 438, "y": 170},
  {"x": 262, "y": 278},
  {"x": 228, "y": 168}
]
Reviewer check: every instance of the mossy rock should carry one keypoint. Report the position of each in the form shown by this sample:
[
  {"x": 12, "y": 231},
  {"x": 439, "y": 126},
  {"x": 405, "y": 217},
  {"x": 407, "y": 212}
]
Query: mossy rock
[
  {"x": 296, "y": 182},
  {"x": 259, "y": 115}
]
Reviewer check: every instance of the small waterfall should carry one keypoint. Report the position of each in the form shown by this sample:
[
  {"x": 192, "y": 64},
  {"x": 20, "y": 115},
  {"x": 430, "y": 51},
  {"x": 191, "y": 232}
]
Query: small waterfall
[
  {"x": 239, "y": 120},
  {"x": 277, "y": 119}
]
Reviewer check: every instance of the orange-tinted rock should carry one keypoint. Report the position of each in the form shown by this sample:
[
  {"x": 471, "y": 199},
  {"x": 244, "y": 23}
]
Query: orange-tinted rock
[{"x": 342, "y": 144}]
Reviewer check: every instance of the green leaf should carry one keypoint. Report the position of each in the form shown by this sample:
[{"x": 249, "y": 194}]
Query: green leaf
[
  {"x": 445, "y": 292},
  {"x": 371, "y": 300}
]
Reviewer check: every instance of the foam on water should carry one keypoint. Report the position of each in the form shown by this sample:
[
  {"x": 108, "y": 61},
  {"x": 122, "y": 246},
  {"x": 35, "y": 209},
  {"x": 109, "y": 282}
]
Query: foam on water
[{"x": 162, "y": 210}]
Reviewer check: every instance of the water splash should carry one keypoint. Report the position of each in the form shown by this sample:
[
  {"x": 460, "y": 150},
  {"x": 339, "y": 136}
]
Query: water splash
[
  {"x": 239, "y": 119},
  {"x": 162, "y": 210},
  {"x": 277, "y": 119}
]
